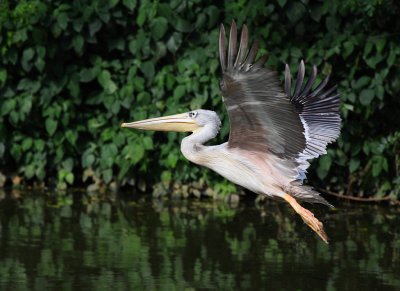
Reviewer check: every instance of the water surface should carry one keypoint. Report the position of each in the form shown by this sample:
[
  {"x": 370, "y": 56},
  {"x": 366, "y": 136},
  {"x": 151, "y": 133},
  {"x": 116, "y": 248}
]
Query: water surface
[{"x": 87, "y": 243}]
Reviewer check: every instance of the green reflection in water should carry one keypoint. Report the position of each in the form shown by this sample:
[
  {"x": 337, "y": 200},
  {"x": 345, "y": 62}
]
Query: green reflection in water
[{"x": 144, "y": 244}]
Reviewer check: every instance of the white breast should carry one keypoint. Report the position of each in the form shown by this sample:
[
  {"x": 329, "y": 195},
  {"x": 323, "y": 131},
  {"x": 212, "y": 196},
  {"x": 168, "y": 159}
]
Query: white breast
[{"x": 239, "y": 170}]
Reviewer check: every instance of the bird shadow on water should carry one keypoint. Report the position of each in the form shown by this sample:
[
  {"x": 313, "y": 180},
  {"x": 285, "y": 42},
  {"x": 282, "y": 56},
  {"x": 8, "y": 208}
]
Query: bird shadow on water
[{"x": 51, "y": 240}]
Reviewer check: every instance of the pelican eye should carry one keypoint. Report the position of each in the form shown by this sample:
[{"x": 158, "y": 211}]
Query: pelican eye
[{"x": 192, "y": 114}]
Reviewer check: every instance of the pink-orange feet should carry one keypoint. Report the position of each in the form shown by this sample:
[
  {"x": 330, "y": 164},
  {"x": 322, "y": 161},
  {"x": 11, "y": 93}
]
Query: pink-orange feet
[{"x": 308, "y": 217}]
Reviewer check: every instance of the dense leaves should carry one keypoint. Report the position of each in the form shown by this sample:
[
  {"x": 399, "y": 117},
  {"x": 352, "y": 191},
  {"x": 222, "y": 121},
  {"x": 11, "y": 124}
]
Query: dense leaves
[{"x": 71, "y": 72}]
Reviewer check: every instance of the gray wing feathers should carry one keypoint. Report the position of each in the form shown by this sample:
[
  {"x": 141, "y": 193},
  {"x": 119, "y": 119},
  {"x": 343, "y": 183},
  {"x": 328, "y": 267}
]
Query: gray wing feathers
[
  {"x": 295, "y": 127},
  {"x": 300, "y": 78},
  {"x": 261, "y": 116},
  {"x": 309, "y": 83},
  {"x": 319, "y": 112},
  {"x": 232, "y": 46},
  {"x": 222, "y": 49},
  {"x": 288, "y": 80},
  {"x": 244, "y": 40}
]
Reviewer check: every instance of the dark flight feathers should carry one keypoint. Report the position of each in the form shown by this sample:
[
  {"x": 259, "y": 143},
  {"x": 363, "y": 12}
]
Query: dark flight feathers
[{"x": 294, "y": 126}]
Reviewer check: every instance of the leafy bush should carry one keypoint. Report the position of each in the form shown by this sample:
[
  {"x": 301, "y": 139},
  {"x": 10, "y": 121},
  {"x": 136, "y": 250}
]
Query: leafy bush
[{"x": 71, "y": 72}]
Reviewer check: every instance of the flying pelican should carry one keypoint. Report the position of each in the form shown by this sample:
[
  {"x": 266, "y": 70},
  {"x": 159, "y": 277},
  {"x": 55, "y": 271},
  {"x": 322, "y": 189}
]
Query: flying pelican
[{"x": 273, "y": 132}]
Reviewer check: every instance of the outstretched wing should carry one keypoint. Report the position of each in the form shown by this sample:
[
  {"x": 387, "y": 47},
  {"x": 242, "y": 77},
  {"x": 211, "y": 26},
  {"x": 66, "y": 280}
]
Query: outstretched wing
[
  {"x": 318, "y": 111},
  {"x": 263, "y": 117},
  {"x": 260, "y": 114}
]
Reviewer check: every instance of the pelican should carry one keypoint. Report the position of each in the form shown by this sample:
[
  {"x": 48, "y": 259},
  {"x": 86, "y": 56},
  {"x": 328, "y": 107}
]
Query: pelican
[{"x": 273, "y": 131}]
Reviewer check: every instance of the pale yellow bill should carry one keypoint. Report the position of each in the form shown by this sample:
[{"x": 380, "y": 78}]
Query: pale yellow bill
[{"x": 179, "y": 122}]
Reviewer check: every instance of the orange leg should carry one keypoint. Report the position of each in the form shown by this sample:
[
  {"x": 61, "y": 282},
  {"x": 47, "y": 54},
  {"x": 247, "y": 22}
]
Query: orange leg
[{"x": 307, "y": 217}]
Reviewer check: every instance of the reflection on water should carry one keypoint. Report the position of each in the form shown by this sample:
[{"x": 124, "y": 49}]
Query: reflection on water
[{"x": 148, "y": 244}]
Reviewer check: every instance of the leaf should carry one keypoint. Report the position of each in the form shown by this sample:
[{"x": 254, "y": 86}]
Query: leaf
[
  {"x": 348, "y": 48},
  {"x": 368, "y": 47},
  {"x": 148, "y": 143},
  {"x": 27, "y": 144},
  {"x": 158, "y": 27},
  {"x": 213, "y": 15},
  {"x": 141, "y": 18},
  {"x": 94, "y": 27},
  {"x": 282, "y": 2},
  {"x": 71, "y": 136},
  {"x": 295, "y": 11},
  {"x": 332, "y": 24},
  {"x": 174, "y": 42},
  {"x": 77, "y": 44},
  {"x": 179, "y": 91},
  {"x": 14, "y": 117},
  {"x": 74, "y": 88},
  {"x": 362, "y": 82},
  {"x": 40, "y": 173},
  {"x": 21, "y": 35},
  {"x": 26, "y": 58},
  {"x": 385, "y": 164},
  {"x": 321, "y": 173},
  {"x": 68, "y": 164},
  {"x": 104, "y": 15},
  {"x": 325, "y": 162},
  {"x": 366, "y": 96},
  {"x": 148, "y": 69},
  {"x": 28, "y": 85},
  {"x": 116, "y": 43},
  {"x": 28, "y": 54},
  {"x": 376, "y": 169},
  {"x": 40, "y": 64},
  {"x": 123, "y": 170},
  {"x": 380, "y": 44},
  {"x": 351, "y": 97},
  {"x": 392, "y": 57},
  {"x": 88, "y": 160},
  {"x": 2, "y": 149},
  {"x": 87, "y": 74},
  {"x": 62, "y": 20},
  {"x": 166, "y": 176},
  {"x": 3, "y": 76},
  {"x": 130, "y": 4},
  {"x": 107, "y": 175},
  {"x": 8, "y": 106},
  {"x": 51, "y": 126},
  {"x": 348, "y": 106},
  {"x": 29, "y": 171},
  {"x": 182, "y": 25},
  {"x": 69, "y": 178},
  {"x": 41, "y": 51},
  {"x": 380, "y": 92},
  {"x": 172, "y": 159},
  {"x": 354, "y": 165},
  {"x": 316, "y": 12},
  {"x": 39, "y": 145},
  {"x": 104, "y": 78},
  {"x": 105, "y": 81},
  {"x": 137, "y": 153}
]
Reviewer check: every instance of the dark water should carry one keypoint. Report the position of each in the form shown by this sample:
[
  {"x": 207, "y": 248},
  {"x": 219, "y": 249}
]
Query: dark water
[{"x": 89, "y": 243}]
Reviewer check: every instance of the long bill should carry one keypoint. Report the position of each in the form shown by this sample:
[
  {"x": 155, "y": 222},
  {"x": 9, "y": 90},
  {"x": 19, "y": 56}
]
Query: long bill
[{"x": 179, "y": 122}]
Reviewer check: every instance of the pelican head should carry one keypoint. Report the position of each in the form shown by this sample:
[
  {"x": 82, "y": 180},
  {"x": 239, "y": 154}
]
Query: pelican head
[{"x": 192, "y": 121}]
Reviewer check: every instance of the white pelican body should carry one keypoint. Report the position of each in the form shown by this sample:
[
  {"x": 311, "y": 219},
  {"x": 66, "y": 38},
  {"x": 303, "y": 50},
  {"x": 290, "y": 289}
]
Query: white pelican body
[
  {"x": 273, "y": 131},
  {"x": 238, "y": 166}
]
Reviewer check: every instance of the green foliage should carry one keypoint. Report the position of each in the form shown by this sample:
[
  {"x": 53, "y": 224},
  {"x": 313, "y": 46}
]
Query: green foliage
[{"x": 71, "y": 72}]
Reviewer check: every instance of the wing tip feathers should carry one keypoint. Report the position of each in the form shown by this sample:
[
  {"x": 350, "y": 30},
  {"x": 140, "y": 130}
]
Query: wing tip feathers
[{"x": 238, "y": 59}]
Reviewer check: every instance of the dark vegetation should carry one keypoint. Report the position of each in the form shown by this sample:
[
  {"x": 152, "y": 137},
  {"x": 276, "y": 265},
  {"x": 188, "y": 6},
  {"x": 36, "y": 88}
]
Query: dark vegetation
[{"x": 72, "y": 71}]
